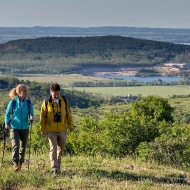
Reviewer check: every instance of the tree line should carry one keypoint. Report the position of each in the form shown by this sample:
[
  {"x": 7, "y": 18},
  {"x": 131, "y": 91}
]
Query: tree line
[{"x": 122, "y": 83}]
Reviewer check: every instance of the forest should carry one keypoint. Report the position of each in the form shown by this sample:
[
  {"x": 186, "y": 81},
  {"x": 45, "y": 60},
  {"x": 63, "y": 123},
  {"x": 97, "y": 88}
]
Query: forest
[{"x": 58, "y": 55}]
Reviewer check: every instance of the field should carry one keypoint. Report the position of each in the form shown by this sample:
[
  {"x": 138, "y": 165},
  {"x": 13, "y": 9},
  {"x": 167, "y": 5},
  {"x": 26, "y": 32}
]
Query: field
[
  {"x": 163, "y": 91},
  {"x": 66, "y": 80}
]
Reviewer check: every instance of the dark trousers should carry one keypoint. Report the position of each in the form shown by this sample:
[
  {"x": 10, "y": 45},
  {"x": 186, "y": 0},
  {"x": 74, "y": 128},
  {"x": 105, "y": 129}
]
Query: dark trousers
[{"x": 19, "y": 141}]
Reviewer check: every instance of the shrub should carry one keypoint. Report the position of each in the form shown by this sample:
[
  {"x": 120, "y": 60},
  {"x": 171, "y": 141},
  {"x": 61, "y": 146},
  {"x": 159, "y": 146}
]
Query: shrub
[
  {"x": 171, "y": 148},
  {"x": 85, "y": 138}
]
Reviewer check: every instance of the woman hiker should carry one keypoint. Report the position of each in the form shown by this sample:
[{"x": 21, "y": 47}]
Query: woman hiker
[{"x": 18, "y": 114}]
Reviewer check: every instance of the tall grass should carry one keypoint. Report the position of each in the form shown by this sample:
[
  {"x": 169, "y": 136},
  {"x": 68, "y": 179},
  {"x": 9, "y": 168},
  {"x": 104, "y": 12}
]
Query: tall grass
[{"x": 84, "y": 172}]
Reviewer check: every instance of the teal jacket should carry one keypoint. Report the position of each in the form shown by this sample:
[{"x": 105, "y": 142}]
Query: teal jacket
[{"x": 19, "y": 119}]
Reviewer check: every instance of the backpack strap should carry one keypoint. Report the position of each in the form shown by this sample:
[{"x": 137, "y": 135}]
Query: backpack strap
[
  {"x": 49, "y": 100},
  {"x": 65, "y": 100},
  {"x": 13, "y": 106},
  {"x": 46, "y": 102}
]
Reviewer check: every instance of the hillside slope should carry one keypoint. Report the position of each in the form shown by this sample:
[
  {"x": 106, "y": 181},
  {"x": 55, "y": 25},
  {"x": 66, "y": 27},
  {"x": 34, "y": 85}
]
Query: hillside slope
[{"x": 69, "y": 54}]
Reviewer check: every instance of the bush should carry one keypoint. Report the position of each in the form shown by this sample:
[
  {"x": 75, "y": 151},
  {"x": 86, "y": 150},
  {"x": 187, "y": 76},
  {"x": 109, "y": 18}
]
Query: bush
[
  {"x": 171, "y": 148},
  {"x": 39, "y": 144},
  {"x": 85, "y": 139}
]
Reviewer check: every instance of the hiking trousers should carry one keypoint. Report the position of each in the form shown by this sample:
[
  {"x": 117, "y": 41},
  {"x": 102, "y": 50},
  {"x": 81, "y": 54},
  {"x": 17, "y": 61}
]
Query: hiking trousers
[
  {"x": 19, "y": 141},
  {"x": 57, "y": 142}
]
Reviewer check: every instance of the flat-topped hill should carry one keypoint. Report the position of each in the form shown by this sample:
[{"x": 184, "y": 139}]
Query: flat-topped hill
[{"x": 69, "y": 54}]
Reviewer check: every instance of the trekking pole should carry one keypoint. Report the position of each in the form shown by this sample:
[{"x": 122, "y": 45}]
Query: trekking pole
[
  {"x": 30, "y": 139},
  {"x": 4, "y": 142}
]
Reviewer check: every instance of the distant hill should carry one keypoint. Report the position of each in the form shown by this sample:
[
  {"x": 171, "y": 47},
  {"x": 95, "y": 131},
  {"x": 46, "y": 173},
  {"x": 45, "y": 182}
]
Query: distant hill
[
  {"x": 157, "y": 34},
  {"x": 80, "y": 45},
  {"x": 69, "y": 54}
]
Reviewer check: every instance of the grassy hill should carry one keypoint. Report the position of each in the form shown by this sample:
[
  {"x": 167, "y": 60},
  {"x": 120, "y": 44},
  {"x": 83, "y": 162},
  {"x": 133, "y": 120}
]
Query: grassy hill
[
  {"x": 104, "y": 173},
  {"x": 55, "y": 55}
]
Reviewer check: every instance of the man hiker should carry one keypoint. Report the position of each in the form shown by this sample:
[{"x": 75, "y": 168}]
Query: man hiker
[{"x": 54, "y": 117}]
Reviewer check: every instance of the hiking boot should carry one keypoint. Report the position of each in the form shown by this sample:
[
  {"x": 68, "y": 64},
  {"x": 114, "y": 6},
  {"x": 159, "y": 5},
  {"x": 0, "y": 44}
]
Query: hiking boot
[
  {"x": 17, "y": 168},
  {"x": 55, "y": 170},
  {"x": 59, "y": 169},
  {"x": 20, "y": 166}
]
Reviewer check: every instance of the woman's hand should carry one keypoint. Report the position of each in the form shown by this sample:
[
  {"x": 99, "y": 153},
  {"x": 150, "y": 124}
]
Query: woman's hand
[
  {"x": 7, "y": 126},
  {"x": 31, "y": 117}
]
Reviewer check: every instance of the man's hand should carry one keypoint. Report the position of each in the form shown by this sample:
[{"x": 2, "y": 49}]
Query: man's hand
[{"x": 43, "y": 134}]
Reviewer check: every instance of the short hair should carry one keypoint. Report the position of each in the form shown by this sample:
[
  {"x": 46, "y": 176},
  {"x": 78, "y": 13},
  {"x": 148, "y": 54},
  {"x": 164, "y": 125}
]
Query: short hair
[{"x": 55, "y": 87}]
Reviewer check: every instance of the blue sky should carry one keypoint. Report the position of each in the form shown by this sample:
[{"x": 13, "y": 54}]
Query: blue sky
[{"x": 94, "y": 13}]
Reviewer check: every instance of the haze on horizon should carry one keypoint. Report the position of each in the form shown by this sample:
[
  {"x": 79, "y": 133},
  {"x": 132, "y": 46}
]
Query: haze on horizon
[{"x": 91, "y": 13}]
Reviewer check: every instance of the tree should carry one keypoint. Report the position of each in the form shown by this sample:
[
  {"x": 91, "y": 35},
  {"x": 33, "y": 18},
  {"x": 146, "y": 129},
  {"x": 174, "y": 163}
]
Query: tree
[
  {"x": 154, "y": 108},
  {"x": 155, "y": 116}
]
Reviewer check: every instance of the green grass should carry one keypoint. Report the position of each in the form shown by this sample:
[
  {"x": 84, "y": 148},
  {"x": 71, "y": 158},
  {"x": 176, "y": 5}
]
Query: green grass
[
  {"x": 84, "y": 172},
  {"x": 64, "y": 80},
  {"x": 163, "y": 91}
]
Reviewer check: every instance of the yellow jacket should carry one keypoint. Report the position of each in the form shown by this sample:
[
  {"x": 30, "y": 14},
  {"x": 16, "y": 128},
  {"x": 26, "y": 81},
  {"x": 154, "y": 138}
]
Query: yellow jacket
[{"x": 47, "y": 122}]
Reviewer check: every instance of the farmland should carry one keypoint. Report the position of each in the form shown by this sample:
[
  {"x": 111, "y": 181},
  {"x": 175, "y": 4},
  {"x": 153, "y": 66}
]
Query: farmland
[
  {"x": 66, "y": 80},
  {"x": 163, "y": 91}
]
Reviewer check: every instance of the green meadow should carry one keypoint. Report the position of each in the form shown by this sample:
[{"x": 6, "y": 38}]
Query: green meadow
[
  {"x": 66, "y": 81},
  {"x": 163, "y": 91}
]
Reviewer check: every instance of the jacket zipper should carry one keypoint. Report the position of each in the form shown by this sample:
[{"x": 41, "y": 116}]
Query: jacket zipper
[
  {"x": 57, "y": 112},
  {"x": 21, "y": 119}
]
